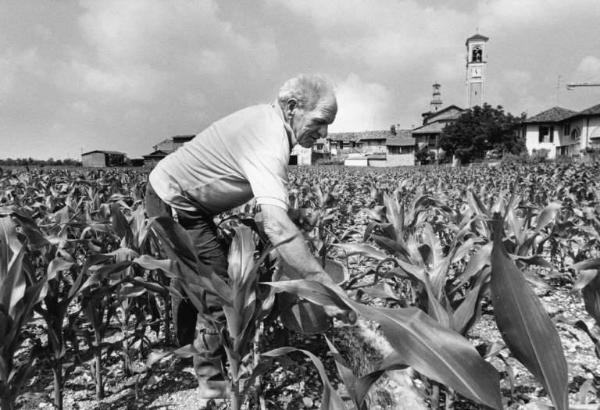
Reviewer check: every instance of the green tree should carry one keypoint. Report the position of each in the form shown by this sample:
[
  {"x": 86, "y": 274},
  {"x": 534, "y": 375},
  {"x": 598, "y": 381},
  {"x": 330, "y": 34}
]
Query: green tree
[{"x": 481, "y": 129}]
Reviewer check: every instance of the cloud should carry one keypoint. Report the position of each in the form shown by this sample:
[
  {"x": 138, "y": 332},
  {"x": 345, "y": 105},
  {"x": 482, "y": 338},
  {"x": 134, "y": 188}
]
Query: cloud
[
  {"x": 499, "y": 15},
  {"x": 170, "y": 36},
  {"x": 14, "y": 65},
  {"x": 384, "y": 34},
  {"x": 589, "y": 67},
  {"x": 361, "y": 105}
]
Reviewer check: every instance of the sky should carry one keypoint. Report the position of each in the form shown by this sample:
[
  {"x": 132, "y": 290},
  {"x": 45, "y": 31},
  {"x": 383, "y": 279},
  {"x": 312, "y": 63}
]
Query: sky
[{"x": 77, "y": 76}]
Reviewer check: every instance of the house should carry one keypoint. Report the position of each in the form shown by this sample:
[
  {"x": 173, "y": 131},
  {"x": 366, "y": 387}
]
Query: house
[
  {"x": 99, "y": 158},
  {"x": 343, "y": 142},
  {"x": 164, "y": 148},
  {"x": 153, "y": 158},
  {"x": 364, "y": 142},
  {"x": 308, "y": 156},
  {"x": 300, "y": 156},
  {"x": 428, "y": 134},
  {"x": 172, "y": 143},
  {"x": 561, "y": 132},
  {"x": 585, "y": 128},
  {"x": 382, "y": 148},
  {"x": 400, "y": 149}
]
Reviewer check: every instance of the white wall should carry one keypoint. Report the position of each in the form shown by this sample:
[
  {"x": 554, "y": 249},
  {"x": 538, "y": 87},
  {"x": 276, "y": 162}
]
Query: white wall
[
  {"x": 532, "y": 136},
  {"x": 304, "y": 155},
  {"x": 590, "y": 132},
  {"x": 397, "y": 160},
  {"x": 356, "y": 162}
]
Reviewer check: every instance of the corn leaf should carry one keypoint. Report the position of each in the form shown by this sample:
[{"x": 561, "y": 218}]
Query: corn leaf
[
  {"x": 361, "y": 249},
  {"x": 421, "y": 342},
  {"x": 302, "y": 316},
  {"x": 437, "y": 352},
  {"x": 547, "y": 215},
  {"x": 358, "y": 387},
  {"x": 525, "y": 326},
  {"x": 330, "y": 399}
]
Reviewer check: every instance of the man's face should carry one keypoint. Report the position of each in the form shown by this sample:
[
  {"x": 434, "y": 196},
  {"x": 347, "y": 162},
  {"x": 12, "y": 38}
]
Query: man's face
[{"x": 311, "y": 125}]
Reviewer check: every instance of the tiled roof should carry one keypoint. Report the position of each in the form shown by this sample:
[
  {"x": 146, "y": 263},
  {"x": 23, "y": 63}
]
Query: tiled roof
[
  {"x": 433, "y": 128},
  {"x": 182, "y": 138},
  {"x": 156, "y": 154},
  {"x": 359, "y": 136},
  {"x": 104, "y": 152},
  {"x": 554, "y": 114},
  {"x": 401, "y": 139},
  {"x": 595, "y": 110}
]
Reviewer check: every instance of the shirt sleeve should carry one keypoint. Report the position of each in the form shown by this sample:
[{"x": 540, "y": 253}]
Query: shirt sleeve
[{"x": 267, "y": 176}]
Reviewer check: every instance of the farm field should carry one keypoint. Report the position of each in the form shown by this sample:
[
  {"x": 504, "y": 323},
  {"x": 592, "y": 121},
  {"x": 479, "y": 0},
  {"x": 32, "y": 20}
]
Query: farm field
[{"x": 483, "y": 280}]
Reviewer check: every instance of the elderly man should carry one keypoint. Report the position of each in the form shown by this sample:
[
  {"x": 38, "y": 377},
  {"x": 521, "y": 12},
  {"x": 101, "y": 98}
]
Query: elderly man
[{"x": 237, "y": 158}]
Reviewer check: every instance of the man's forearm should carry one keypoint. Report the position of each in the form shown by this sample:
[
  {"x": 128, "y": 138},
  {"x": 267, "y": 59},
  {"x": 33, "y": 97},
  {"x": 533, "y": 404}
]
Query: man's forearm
[{"x": 297, "y": 255}]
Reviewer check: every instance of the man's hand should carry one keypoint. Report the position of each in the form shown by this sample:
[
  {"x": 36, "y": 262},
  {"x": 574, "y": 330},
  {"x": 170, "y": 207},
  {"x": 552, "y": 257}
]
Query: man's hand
[
  {"x": 280, "y": 228},
  {"x": 346, "y": 316}
]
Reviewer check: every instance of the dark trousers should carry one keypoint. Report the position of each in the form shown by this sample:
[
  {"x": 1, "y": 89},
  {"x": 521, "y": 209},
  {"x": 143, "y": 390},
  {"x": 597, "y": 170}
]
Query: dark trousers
[{"x": 210, "y": 251}]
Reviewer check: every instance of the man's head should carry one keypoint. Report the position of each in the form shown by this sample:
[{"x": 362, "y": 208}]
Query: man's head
[{"x": 309, "y": 106}]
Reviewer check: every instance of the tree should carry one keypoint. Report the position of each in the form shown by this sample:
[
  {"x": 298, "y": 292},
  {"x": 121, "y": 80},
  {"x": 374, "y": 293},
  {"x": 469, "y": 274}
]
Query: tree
[{"x": 481, "y": 129}]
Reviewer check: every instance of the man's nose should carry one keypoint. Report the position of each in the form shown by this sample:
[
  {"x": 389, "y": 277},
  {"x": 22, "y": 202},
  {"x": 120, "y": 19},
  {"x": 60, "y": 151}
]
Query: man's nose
[{"x": 323, "y": 131}]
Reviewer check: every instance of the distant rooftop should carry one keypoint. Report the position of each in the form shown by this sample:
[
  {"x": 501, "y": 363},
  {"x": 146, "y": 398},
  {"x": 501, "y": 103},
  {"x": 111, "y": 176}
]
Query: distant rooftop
[
  {"x": 103, "y": 152},
  {"x": 554, "y": 114},
  {"x": 359, "y": 135}
]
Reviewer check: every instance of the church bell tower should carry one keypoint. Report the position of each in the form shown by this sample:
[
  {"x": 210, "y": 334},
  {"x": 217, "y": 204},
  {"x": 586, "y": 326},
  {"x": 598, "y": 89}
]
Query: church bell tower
[{"x": 476, "y": 62}]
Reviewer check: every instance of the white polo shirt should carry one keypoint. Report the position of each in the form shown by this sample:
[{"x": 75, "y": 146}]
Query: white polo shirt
[{"x": 241, "y": 156}]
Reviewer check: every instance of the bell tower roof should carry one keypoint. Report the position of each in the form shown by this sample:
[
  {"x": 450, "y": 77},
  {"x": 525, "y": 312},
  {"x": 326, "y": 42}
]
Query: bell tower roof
[{"x": 476, "y": 37}]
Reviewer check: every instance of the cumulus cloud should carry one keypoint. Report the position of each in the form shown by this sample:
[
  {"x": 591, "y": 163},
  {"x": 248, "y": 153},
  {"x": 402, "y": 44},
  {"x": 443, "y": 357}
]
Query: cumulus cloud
[
  {"x": 589, "y": 67},
  {"x": 361, "y": 105},
  {"x": 401, "y": 34},
  {"x": 499, "y": 15}
]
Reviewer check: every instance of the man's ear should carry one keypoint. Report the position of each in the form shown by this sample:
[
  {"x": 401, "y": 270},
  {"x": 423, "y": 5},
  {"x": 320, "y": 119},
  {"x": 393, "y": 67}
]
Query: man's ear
[{"x": 291, "y": 106}]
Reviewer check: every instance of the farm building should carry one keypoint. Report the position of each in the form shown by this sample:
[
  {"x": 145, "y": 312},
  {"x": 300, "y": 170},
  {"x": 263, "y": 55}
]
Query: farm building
[
  {"x": 381, "y": 148},
  {"x": 560, "y": 132},
  {"x": 400, "y": 149},
  {"x": 153, "y": 158},
  {"x": 300, "y": 156},
  {"x": 428, "y": 135},
  {"x": 170, "y": 144},
  {"x": 309, "y": 156},
  {"x": 100, "y": 158},
  {"x": 367, "y": 142},
  {"x": 164, "y": 148}
]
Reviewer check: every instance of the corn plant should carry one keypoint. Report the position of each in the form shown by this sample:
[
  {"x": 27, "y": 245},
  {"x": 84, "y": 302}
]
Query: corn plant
[{"x": 20, "y": 291}]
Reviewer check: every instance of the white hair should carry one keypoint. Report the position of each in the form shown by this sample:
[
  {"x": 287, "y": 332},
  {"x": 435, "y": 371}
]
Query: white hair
[{"x": 311, "y": 92}]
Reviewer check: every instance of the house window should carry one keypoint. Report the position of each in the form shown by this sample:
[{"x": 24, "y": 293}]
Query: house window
[
  {"x": 567, "y": 129},
  {"x": 575, "y": 134},
  {"x": 545, "y": 134}
]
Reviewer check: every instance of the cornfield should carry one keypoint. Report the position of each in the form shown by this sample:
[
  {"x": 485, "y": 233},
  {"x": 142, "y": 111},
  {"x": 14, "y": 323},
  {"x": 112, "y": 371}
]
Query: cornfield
[{"x": 421, "y": 254}]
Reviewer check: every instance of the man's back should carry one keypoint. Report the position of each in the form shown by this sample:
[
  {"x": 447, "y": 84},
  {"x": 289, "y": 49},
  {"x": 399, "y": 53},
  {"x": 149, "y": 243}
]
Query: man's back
[{"x": 240, "y": 156}]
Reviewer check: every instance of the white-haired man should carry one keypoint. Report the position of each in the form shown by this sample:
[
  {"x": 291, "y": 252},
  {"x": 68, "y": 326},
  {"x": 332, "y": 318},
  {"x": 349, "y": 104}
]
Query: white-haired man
[{"x": 240, "y": 157}]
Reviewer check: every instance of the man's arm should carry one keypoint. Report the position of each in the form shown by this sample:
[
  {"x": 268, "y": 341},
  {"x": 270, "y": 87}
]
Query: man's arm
[{"x": 279, "y": 228}]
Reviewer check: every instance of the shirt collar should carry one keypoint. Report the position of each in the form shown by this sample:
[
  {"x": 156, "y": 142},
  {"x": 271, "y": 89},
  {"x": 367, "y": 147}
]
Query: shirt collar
[{"x": 288, "y": 130}]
